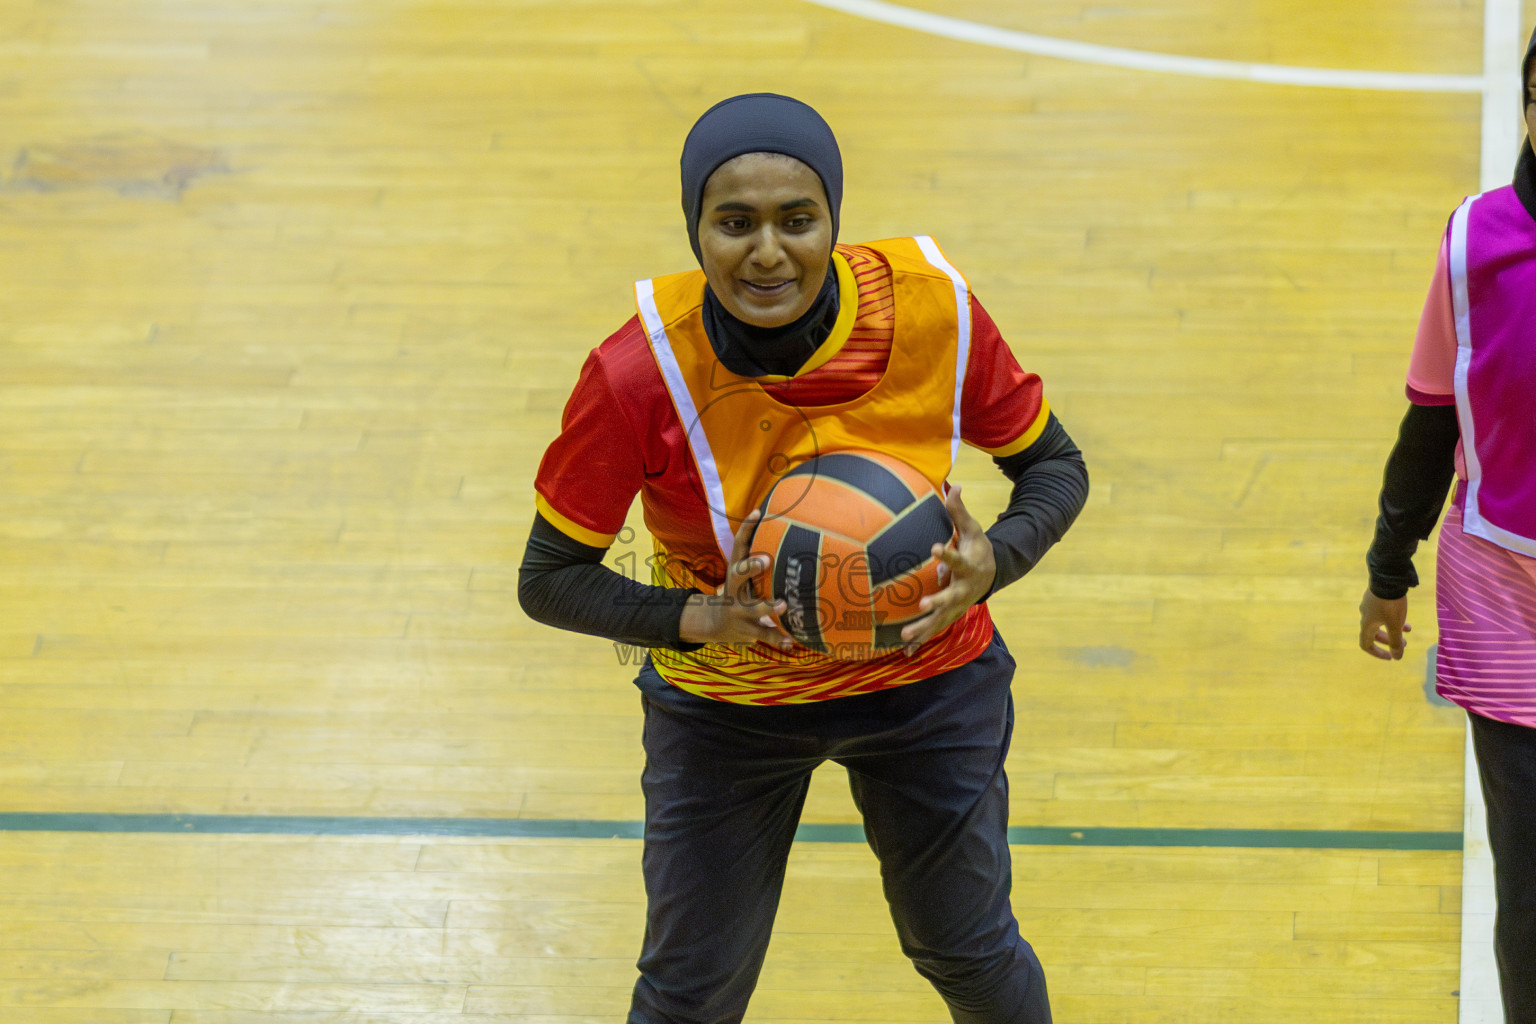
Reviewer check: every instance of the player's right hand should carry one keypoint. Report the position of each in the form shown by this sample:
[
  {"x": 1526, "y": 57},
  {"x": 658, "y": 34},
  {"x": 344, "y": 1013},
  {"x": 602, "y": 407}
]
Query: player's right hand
[{"x": 736, "y": 615}]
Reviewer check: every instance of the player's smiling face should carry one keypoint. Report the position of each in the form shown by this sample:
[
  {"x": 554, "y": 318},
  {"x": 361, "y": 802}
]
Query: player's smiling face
[{"x": 766, "y": 237}]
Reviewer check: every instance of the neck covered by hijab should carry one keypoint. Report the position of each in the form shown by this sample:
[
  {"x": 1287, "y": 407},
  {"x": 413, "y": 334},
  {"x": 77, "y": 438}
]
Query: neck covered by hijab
[
  {"x": 755, "y": 351},
  {"x": 759, "y": 122},
  {"x": 1525, "y": 167}
]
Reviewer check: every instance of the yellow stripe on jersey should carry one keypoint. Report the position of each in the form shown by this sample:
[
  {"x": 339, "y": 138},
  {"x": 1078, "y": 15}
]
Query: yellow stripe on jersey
[
  {"x": 1025, "y": 439},
  {"x": 573, "y": 530}
]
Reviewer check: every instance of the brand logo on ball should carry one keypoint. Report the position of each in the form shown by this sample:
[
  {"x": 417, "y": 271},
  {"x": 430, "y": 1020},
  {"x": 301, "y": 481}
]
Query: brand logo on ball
[{"x": 794, "y": 612}]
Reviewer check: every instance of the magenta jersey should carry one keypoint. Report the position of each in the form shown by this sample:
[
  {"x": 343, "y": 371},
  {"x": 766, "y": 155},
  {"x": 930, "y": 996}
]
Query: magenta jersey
[{"x": 1477, "y": 346}]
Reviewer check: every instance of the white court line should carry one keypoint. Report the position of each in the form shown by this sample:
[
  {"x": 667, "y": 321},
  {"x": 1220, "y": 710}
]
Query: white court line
[
  {"x": 1503, "y": 126},
  {"x": 1501, "y": 133},
  {"x": 1139, "y": 60},
  {"x": 1480, "y": 1002}
]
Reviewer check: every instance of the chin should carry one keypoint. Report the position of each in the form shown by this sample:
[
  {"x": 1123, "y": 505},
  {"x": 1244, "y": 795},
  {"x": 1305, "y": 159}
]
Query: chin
[{"x": 771, "y": 317}]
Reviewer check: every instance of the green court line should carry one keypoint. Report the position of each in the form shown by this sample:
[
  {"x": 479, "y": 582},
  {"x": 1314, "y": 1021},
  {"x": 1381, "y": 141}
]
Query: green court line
[{"x": 568, "y": 828}]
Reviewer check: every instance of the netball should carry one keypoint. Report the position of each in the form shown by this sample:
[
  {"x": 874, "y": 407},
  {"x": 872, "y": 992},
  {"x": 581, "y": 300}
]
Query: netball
[{"x": 849, "y": 537}]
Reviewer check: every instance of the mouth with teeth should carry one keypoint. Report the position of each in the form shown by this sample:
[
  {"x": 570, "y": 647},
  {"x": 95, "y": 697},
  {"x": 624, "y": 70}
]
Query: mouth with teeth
[{"x": 767, "y": 291}]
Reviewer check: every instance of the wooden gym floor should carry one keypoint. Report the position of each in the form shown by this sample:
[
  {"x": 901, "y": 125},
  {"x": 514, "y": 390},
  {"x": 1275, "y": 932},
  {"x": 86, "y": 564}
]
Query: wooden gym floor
[{"x": 291, "y": 295}]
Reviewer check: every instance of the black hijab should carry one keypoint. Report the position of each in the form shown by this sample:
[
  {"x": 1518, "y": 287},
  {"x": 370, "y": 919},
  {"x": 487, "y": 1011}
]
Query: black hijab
[
  {"x": 1525, "y": 167},
  {"x": 763, "y": 123}
]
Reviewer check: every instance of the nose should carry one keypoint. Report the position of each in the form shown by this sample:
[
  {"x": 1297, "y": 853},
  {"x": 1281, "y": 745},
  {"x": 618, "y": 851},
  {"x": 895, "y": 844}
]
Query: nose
[{"x": 767, "y": 248}]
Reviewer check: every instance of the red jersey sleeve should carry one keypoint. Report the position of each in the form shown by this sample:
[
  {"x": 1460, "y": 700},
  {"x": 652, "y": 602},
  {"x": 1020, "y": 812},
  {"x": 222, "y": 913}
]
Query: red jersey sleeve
[
  {"x": 1002, "y": 408},
  {"x": 592, "y": 471}
]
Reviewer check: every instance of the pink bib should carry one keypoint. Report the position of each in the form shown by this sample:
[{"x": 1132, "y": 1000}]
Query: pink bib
[{"x": 1493, "y": 293}]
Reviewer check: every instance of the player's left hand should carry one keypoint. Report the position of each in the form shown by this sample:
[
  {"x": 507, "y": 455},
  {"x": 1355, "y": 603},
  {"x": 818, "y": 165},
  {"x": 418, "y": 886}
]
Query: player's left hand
[
  {"x": 968, "y": 567},
  {"x": 1382, "y": 625}
]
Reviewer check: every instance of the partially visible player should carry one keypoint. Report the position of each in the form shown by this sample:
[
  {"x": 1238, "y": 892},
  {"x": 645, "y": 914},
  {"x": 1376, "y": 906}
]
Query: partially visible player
[
  {"x": 1472, "y": 418},
  {"x": 787, "y": 345}
]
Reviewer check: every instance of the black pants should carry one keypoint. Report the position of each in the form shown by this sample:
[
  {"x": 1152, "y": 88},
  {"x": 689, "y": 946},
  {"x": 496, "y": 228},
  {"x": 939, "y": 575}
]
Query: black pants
[
  {"x": 723, "y": 794},
  {"x": 1506, "y": 763}
]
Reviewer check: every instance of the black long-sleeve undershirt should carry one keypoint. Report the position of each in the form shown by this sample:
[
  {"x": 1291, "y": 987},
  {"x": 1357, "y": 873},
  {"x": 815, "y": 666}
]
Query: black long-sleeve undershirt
[
  {"x": 564, "y": 583},
  {"x": 1413, "y": 487},
  {"x": 1050, "y": 486}
]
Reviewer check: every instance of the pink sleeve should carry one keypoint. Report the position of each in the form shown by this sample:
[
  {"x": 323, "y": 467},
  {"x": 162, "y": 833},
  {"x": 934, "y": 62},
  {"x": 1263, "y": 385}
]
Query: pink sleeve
[{"x": 1432, "y": 370}]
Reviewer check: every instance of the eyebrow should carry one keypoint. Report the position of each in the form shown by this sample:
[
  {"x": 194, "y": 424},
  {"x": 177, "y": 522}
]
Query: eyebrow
[{"x": 749, "y": 208}]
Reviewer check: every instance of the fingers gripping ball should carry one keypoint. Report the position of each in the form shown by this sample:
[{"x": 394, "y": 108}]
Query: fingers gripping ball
[{"x": 849, "y": 537}]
